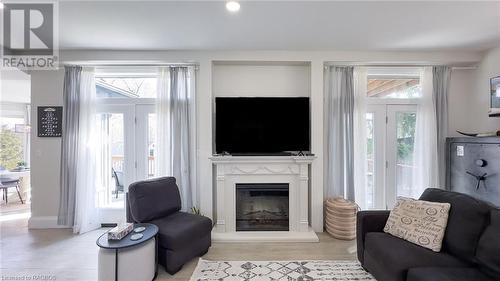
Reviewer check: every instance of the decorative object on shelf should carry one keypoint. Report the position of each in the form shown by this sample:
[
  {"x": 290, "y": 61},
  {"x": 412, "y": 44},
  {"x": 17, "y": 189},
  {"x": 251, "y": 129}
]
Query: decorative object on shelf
[
  {"x": 50, "y": 121},
  {"x": 479, "y": 135},
  {"x": 340, "y": 218},
  {"x": 495, "y": 97},
  {"x": 120, "y": 231}
]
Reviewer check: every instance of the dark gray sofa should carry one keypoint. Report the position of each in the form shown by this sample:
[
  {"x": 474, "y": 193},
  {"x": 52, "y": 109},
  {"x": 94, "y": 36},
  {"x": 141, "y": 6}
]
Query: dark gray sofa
[
  {"x": 182, "y": 236},
  {"x": 471, "y": 246}
]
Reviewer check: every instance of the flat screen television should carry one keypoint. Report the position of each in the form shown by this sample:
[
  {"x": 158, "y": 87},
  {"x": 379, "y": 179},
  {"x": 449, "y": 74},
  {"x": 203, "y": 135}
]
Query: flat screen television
[{"x": 262, "y": 125}]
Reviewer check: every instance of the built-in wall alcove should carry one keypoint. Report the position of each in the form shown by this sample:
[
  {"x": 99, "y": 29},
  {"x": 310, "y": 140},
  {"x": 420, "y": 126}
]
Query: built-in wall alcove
[
  {"x": 261, "y": 79},
  {"x": 263, "y": 213}
]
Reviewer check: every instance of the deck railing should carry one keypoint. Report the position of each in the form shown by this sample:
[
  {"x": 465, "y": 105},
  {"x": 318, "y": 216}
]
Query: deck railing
[{"x": 117, "y": 164}]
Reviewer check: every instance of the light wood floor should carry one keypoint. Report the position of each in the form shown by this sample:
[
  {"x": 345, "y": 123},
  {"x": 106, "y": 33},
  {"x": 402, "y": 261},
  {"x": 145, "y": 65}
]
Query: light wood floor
[{"x": 60, "y": 255}]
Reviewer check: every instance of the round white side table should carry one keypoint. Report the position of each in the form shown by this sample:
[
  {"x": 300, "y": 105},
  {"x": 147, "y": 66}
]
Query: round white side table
[{"x": 126, "y": 259}]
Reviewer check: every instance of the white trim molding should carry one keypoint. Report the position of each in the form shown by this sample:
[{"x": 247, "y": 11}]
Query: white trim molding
[{"x": 293, "y": 170}]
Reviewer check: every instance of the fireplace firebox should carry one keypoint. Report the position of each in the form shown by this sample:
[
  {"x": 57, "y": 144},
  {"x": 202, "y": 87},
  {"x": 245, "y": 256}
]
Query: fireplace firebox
[{"x": 262, "y": 207}]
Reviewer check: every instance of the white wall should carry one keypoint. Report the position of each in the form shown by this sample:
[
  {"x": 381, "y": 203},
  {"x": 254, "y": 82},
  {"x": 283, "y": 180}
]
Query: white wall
[
  {"x": 469, "y": 99},
  {"x": 461, "y": 93},
  {"x": 47, "y": 90},
  {"x": 261, "y": 80},
  {"x": 480, "y": 102}
]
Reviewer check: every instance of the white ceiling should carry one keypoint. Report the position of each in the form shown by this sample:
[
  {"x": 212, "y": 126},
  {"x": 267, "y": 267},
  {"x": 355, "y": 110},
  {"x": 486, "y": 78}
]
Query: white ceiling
[{"x": 280, "y": 25}]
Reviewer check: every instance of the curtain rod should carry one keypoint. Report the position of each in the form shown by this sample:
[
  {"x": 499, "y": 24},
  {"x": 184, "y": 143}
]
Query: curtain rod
[
  {"x": 456, "y": 67},
  {"x": 127, "y": 64}
]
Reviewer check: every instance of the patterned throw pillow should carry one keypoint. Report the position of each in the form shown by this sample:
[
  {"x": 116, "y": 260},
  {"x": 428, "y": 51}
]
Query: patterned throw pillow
[{"x": 420, "y": 222}]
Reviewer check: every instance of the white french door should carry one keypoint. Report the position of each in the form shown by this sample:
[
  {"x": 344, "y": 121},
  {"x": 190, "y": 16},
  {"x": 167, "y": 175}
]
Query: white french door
[
  {"x": 145, "y": 141},
  {"x": 390, "y": 141},
  {"x": 126, "y": 135}
]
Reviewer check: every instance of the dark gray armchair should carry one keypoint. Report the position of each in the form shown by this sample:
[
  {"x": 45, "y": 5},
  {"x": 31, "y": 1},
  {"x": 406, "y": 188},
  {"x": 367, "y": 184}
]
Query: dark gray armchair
[{"x": 182, "y": 236}]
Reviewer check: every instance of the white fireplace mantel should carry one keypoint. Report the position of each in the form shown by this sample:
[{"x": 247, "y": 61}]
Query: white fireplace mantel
[{"x": 293, "y": 170}]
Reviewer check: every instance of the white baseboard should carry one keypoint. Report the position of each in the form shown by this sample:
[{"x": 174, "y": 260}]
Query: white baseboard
[
  {"x": 264, "y": 236},
  {"x": 44, "y": 223}
]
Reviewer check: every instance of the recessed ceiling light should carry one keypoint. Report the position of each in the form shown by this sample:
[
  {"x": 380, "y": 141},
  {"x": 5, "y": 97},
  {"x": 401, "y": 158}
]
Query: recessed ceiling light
[
  {"x": 1, "y": 5},
  {"x": 233, "y": 6}
]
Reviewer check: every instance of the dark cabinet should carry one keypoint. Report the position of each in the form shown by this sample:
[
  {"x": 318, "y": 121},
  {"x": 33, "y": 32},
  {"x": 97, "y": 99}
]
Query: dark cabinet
[{"x": 473, "y": 167}]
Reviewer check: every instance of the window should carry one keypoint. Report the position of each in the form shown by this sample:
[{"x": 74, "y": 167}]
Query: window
[
  {"x": 14, "y": 137},
  {"x": 395, "y": 82},
  {"x": 126, "y": 124},
  {"x": 125, "y": 87},
  {"x": 392, "y": 98}
]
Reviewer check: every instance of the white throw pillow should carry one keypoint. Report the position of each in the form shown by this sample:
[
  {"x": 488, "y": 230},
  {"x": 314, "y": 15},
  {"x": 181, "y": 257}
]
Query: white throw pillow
[{"x": 420, "y": 222}]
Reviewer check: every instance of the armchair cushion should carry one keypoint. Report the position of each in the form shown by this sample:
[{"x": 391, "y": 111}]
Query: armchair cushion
[
  {"x": 180, "y": 229},
  {"x": 389, "y": 258},
  {"x": 153, "y": 199}
]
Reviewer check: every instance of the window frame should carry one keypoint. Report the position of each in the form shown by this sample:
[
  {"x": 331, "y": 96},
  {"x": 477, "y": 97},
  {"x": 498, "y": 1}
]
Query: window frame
[
  {"x": 394, "y": 72},
  {"x": 135, "y": 112}
]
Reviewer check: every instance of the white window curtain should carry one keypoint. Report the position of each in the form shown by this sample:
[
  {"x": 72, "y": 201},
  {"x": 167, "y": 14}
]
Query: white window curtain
[
  {"x": 339, "y": 122},
  {"x": 425, "y": 159},
  {"x": 87, "y": 216},
  {"x": 346, "y": 127},
  {"x": 176, "y": 138},
  {"x": 360, "y": 143},
  {"x": 441, "y": 86},
  {"x": 78, "y": 172}
]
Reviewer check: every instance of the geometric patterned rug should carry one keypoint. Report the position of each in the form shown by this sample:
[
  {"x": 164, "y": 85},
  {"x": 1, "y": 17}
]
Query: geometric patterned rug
[{"x": 280, "y": 271}]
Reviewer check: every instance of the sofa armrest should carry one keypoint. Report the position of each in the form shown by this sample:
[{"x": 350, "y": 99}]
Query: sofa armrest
[{"x": 368, "y": 221}]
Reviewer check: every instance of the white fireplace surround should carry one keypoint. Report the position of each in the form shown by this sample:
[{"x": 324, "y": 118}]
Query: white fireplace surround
[{"x": 291, "y": 170}]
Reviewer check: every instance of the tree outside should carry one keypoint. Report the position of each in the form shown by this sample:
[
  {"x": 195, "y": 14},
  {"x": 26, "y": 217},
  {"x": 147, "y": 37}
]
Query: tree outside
[
  {"x": 406, "y": 136},
  {"x": 11, "y": 150}
]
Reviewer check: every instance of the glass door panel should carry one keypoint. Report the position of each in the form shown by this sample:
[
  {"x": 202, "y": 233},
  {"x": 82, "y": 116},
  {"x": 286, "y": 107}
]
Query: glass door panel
[
  {"x": 111, "y": 159},
  {"x": 115, "y": 163},
  {"x": 151, "y": 145},
  {"x": 400, "y": 143},
  {"x": 375, "y": 157},
  {"x": 405, "y": 137},
  {"x": 370, "y": 162},
  {"x": 145, "y": 141}
]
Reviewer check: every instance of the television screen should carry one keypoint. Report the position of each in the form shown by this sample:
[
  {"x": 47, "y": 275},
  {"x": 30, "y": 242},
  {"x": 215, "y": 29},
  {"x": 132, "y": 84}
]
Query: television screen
[{"x": 261, "y": 125}]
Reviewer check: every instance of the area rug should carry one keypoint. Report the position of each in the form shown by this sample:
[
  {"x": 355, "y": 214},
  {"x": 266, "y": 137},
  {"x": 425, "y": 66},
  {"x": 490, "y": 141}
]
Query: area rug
[{"x": 279, "y": 271}]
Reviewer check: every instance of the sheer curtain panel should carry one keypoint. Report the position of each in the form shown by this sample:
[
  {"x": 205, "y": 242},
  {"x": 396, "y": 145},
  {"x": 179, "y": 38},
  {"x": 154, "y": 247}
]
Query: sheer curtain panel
[
  {"x": 339, "y": 85},
  {"x": 78, "y": 174},
  {"x": 176, "y": 139},
  {"x": 425, "y": 159}
]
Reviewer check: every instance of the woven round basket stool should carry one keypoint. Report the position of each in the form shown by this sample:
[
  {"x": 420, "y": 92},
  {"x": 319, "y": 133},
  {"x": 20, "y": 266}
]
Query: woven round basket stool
[{"x": 340, "y": 218}]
